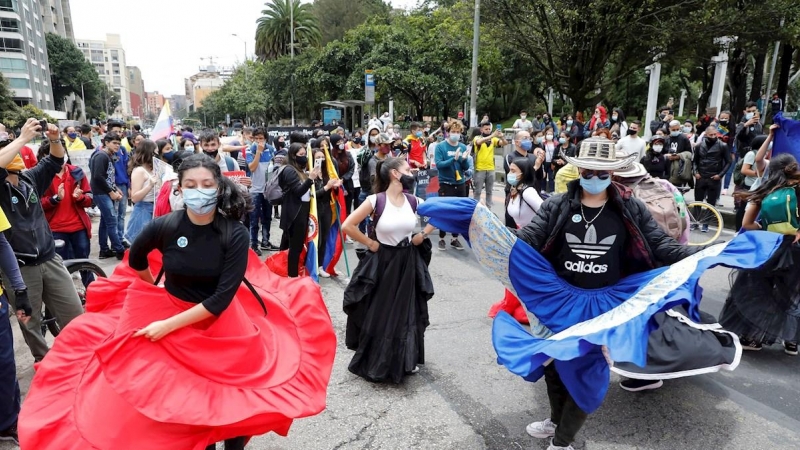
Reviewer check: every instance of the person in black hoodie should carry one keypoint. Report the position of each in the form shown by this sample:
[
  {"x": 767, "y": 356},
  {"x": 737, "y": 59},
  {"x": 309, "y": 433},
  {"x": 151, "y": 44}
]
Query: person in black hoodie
[
  {"x": 106, "y": 195},
  {"x": 31, "y": 238}
]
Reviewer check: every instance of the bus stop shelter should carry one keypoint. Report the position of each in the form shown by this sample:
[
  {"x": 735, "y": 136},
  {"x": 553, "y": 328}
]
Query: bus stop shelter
[{"x": 347, "y": 119}]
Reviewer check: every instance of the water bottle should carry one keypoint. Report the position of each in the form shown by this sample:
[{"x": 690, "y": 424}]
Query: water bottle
[{"x": 681, "y": 204}]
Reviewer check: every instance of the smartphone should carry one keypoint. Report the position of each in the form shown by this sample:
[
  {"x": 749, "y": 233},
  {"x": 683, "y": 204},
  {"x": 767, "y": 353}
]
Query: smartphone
[
  {"x": 43, "y": 124},
  {"x": 317, "y": 163},
  {"x": 499, "y": 127}
]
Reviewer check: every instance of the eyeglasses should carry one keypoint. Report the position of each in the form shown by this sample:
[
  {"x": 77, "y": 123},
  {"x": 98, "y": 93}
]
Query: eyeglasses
[{"x": 589, "y": 174}]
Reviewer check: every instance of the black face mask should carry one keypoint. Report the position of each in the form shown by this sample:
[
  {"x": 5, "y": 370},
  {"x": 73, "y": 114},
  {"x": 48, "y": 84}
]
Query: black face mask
[
  {"x": 632, "y": 132},
  {"x": 546, "y": 120},
  {"x": 485, "y": 134},
  {"x": 302, "y": 160},
  {"x": 407, "y": 181},
  {"x": 212, "y": 155},
  {"x": 711, "y": 141},
  {"x": 723, "y": 123}
]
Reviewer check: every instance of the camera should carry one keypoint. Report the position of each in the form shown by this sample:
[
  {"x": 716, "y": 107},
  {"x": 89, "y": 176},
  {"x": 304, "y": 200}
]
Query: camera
[{"x": 43, "y": 124}]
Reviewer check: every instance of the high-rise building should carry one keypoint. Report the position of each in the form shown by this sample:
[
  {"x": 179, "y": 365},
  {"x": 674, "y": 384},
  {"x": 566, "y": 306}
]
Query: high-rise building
[
  {"x": 177, "y": 103},
  {"x": 201, "y": 85},
  {"x": 136, "y": 86},
  {"x": 57, "y": 18},
  {"x": 155, "y": 102},
  {"x": 23, "y": 53},
  {"x": 108, "y": 58}
]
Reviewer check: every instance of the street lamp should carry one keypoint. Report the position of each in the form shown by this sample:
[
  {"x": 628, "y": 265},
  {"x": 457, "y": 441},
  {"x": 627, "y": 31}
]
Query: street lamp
[{"x": 245, "y": 55}]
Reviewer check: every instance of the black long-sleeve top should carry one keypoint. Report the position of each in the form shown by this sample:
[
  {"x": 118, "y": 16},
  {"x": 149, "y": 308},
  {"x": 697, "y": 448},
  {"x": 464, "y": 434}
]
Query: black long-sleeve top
[
  {"x": 103, "y": 175},
  {"x": 201, "y": 263}
]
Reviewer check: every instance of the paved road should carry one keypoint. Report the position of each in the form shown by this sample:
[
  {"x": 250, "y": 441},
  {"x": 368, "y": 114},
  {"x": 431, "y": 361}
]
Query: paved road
[{"x": 462, "y": 399}]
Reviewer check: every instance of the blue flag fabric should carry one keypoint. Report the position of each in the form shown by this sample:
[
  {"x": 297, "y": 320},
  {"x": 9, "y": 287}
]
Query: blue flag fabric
[
  {"x": 787, "y": 138},
  {"x": 570, "y": 325}
]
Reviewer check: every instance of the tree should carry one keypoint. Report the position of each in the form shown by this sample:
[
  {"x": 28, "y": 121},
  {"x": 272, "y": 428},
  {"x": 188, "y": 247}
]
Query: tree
[
  {"x": 273, "y": 33},
  {"x": 17, "y": 117},
  {"x": 71, "y": 73},
  {"x": 334, "y": 24},
  {"x": 6, "y": 97}
]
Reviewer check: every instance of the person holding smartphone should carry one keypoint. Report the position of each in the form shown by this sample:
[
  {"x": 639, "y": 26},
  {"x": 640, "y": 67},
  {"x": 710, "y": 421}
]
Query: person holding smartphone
[{"x": 484, "y": 147}]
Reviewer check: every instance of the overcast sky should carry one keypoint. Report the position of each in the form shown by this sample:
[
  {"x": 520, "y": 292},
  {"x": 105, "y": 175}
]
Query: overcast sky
[{"x": 167, "y": 38}]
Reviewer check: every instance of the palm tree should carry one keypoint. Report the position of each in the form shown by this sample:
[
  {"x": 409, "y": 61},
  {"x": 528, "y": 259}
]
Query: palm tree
[{"x": 273, "y": 35}]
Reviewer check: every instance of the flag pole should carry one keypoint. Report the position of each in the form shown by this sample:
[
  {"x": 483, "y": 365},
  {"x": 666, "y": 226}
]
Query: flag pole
[{"x": 332, "y": 167}]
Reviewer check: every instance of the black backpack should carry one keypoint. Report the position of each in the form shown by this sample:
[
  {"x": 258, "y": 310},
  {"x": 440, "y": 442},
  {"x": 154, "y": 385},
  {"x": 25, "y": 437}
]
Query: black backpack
[{"x": 272, "y": 189}]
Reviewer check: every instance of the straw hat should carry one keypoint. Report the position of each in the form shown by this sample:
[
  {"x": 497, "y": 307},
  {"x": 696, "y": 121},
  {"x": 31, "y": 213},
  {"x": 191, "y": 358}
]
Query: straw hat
[
  {"x": 599, "y": 153},
  {"x": 634, "y": 170}
]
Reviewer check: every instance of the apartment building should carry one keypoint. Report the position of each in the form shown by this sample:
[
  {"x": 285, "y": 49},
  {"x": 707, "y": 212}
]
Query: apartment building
[{"x": 108, "y": 58}]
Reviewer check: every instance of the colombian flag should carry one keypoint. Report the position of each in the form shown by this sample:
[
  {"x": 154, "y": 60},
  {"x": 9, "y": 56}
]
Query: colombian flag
[
  {"x": 164, "y": 126},
  {"x": 333, "y": 241},
  {"x": 312, "y": 241}
]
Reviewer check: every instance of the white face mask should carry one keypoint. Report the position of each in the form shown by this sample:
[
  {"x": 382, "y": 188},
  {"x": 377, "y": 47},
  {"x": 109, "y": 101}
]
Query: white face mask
[
  {"x": 523, "y": 117},
  {"x": 549, "y": 137},
  {"x": 658, "y": 148}
]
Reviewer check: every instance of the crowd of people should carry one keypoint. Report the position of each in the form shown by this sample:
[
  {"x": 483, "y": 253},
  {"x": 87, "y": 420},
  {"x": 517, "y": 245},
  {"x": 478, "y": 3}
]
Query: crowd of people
[{"x": 590, "y": 197}]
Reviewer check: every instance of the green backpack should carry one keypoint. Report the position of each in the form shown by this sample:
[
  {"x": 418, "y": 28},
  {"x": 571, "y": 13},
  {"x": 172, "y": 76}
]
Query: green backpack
[{"x": 779, "y": 212}]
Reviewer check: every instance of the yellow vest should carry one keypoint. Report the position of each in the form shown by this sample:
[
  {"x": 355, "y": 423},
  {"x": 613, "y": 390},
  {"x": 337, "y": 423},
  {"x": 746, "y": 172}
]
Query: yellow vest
[
  {"x": 75, "y": 145},
  {"x": 4, "y": 225}
]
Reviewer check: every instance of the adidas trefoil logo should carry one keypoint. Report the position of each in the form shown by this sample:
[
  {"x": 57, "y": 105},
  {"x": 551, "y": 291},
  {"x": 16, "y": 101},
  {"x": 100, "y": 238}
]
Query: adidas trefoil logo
[{"x": 589, "y": 248}]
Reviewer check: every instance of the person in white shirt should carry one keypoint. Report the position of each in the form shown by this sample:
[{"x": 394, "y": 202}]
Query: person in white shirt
[
  {"x": 523, "y": 124},
  {"x": 375, "y": 123},
  {"x": 632, "y": 143},
  {"x": 524, "y": 201},
  {"x": 388, "y": 123}
]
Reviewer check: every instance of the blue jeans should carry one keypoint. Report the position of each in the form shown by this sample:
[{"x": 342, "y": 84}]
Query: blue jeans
[
  {"x": 122, "y": 209},
  {"x": 9, "y": 387},
  {"x": 262, "y": 211},
  {"x": 109, "y": 229},
  {"x": 362, "y": 197},
  {"x": 76, "y": 246},
  {"x": 729, "y": 175}
]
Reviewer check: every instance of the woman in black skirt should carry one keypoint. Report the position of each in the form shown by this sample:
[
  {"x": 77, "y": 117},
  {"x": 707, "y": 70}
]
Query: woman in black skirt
[
  {"x": 386, "y": 300},
  {"x": 763, "y": 305}
]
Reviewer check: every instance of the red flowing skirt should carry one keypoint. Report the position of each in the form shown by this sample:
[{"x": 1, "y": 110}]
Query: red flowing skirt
[
  {"x": 239, "y": 374},
  {"x": 512, "y": 306}
]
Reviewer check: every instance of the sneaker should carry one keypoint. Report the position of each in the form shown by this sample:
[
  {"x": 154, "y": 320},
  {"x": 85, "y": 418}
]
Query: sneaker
[
  {"x": 556, "y": 447},
  {"x": 542, "y": 430},
  {"x": 120, "y": 255},
  {"x": 105, "y": 254},
  {"x": 704, "y": 228},
  {"x": 126, "y": 244},
  {"x": 416, "y": 370},
  {"x": 456, "y": 244},
  {"x": 267, "y": 245},
  {"x": 10, "y": 434},
  {"x": 632, "y": 385},
  {"x": 750, "y": 345},
  {"x": 724, "y": 192},
  {"x": 693, "y": 227},
  {"x": 93, "y": 212},
  {"x": 790, "y": 348},
  {"x": 322, "y": 273},
  {"x": 256, "y": 249},
  {"x": 442, "y": 245}
]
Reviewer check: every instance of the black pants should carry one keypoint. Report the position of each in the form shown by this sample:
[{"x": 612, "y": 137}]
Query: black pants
[
  {"x": 706, "y": 189},
  {"x": 351, "y": 202},
  {"x": 451, "y": 190},
  {"x": 564, "y": 412},
  {"x": 294, "y": 238},
  {"x": 739, "y": 206},
  {"x": 230, "y": 444}
]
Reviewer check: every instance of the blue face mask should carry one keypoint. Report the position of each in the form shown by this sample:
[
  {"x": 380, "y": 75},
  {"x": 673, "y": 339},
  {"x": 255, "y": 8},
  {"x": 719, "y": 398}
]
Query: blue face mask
[
  {"x": 749, "y": 116},
  {"x": 675, "y": 133},
  {"x": 569, "y": 123},
  {"x": 539, "y": 140},
  {"x": 526, "y": 145},
  {"x": 169, "y": 156},
  {"x": 595, "y": 185},
  {"x": 200, "y": 201},
  {"x": 512, "y": 179},
  {"x": 418, "y": 134}
]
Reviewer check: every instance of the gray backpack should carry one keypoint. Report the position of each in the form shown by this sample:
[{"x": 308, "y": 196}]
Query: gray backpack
[{"x": 272, "y": 189}]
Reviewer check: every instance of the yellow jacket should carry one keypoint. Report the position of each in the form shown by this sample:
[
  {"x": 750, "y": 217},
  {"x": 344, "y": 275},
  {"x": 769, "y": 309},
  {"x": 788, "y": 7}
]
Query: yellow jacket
[{"x": 564, "y": 176}]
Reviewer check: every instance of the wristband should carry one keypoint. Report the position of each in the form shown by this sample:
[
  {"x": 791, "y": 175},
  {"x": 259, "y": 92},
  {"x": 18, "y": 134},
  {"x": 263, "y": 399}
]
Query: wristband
[
  {"x": 55, "y": 141},
  {"x": 55, "y": 199}
]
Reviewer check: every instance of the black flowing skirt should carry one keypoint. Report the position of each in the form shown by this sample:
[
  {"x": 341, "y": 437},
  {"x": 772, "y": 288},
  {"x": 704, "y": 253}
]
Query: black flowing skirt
[
  {"x": 763, "y": 304},
  {"x": 386, "y": 304},
  {"x": 681, "y": 347}
]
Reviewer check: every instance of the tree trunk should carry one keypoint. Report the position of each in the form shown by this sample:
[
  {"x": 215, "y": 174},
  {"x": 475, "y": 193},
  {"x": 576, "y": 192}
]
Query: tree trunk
[
  {"x": 758, "y": 73},
  {"x": 737, "y": 76},
  {"x": 786, "y": 68}
]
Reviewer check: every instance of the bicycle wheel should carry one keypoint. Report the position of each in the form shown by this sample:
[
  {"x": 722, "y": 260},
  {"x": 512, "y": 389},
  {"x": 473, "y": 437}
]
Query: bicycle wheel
[
  {"x": 82, "y": 274},
  {"x": 705, "y": 223}
]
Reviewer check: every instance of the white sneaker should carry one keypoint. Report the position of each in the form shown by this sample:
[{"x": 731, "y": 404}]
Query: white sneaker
[
  {"x": 322, "y": 273},
  {"x": 542, "y": 430},
  {"x": 555, "y": 447},
  {"x": 724, "y": 192}
]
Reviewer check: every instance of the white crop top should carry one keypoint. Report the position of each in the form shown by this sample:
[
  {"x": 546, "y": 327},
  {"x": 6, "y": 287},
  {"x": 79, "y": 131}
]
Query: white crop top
[
  {"x": 522, "y": 208},
  {"x": 395, "y": 223}
]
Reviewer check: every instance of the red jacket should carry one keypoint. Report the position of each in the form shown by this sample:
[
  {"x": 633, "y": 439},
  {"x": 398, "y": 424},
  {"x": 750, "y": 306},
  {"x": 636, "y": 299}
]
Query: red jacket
[
  {"x": 28, "y": 157},
  {"x": 69, "y": 209}
]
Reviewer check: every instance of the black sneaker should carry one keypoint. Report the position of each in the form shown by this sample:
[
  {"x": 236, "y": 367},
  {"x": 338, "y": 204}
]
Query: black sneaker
[
  {"x": 120, "y": 255},
  {"x": 790, "y": 348},
  {"x": 632, "y": 385},
  {"x": 105, "y": 254},
  {"x": 10, "y": 434},
  {"x": 267, "y": 245},
  {"x": 750, "y": 345},
  {"x": 257, "y": 250},
  {"x": 442, "y": 245},
  {"x": 456, "y": 244},
  {"x": 126, "y": 244}
]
